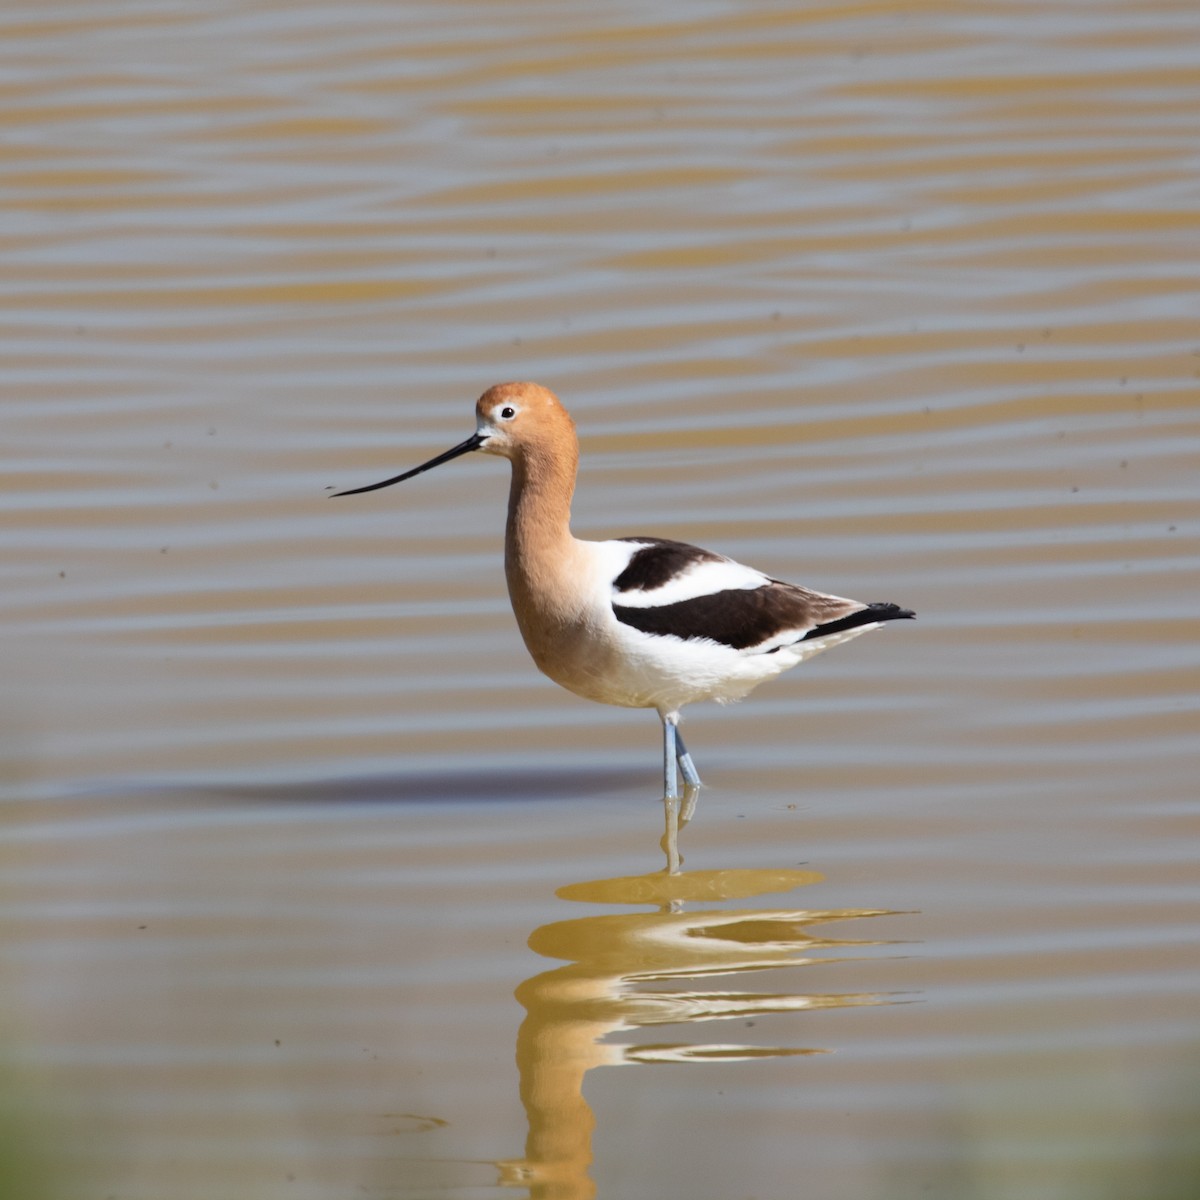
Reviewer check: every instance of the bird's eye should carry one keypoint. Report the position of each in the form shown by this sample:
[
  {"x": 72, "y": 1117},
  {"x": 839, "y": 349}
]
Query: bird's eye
[{"x": 508, "y": 412}]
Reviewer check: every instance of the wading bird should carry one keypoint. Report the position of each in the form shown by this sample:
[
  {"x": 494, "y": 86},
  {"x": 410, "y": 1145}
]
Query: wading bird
[{"x": 641, "y": 622}]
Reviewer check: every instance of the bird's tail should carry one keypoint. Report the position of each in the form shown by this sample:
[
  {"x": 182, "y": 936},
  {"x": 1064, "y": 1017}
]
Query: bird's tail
[{"x": 873, "y": 614}]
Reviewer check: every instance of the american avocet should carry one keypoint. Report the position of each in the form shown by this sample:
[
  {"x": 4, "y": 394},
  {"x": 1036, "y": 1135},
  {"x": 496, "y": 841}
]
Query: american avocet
[{"x": 640, "y": 622}]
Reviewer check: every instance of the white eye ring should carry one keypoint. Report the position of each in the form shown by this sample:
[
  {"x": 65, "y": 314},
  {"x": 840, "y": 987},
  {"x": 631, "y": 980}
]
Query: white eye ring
[{"x": 507, "y": 413}]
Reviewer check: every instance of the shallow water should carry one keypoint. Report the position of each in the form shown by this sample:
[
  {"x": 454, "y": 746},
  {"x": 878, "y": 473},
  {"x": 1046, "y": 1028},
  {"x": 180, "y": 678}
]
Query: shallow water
[{"x": 312, "y": 886}]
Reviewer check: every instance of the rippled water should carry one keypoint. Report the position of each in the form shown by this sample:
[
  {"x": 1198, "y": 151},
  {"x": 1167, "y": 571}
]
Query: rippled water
[{"x": 312, "y": 886}]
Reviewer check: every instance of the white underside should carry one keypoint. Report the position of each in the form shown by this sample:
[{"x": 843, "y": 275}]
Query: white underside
[
  {"x": 667, "y": 673},
  {"x": 614, "y": 663}
]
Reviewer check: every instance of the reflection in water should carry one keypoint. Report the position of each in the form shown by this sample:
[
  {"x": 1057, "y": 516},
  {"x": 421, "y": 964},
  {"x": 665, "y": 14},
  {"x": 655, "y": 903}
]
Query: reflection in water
[{"x": 612, "y": 981}]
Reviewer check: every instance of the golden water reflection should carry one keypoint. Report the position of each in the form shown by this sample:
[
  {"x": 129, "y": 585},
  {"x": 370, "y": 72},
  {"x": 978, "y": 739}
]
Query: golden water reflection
[{"x": 624, "y": 972}]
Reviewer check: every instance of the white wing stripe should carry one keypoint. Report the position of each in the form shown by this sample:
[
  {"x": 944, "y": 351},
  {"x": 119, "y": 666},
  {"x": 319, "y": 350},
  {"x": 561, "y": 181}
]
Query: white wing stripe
[{"x": 698, "y": 579}]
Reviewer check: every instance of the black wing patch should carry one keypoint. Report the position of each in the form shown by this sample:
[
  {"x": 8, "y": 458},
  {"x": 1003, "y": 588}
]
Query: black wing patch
[
  {"x": 742, "y": 618},
  {"x": 658, "y": 562}
]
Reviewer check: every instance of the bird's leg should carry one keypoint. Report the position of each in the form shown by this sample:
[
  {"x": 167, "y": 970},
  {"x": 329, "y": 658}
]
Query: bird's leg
[
  {"x": 670, "y": 783},
  {"x": 675, "y": 755},
  {"x": 670, "y": 841},
  {"x": 687, "y": 807},
  {"x": 690, "y": 775}
]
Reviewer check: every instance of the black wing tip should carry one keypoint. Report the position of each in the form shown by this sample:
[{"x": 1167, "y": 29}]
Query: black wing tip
[
  {"x": 885, "y": 611},
  {"x": 873, "y": 614}
]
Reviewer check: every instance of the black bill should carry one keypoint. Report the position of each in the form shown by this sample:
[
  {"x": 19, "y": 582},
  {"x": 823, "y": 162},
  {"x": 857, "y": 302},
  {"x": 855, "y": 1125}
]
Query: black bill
[{"x": 472, "y": 443}]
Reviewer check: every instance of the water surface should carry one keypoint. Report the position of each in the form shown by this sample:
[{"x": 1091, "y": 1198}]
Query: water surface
[{"x": 312, "y": 886}]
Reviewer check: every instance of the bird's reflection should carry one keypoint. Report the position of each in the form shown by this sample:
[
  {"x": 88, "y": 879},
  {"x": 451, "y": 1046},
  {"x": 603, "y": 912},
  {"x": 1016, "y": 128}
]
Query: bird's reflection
[{"x": 626, "y": 972}]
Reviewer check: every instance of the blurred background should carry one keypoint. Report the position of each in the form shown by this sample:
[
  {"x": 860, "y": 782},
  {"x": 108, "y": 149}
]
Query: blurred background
[{"x": 312, "y": 886}]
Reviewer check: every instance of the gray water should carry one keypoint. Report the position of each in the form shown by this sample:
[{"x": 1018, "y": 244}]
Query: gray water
[{"x": 313, "y": 887}]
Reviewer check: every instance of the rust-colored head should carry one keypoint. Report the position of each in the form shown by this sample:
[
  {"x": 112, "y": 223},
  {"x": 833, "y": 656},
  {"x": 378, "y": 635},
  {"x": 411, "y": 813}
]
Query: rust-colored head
[
  {"x": 512, "y": 420},
  {"x": 515, "y": 418}
]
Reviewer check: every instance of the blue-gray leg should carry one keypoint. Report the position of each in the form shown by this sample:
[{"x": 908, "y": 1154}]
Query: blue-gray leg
[
  {"x": 690, "y": 776},
  {"x": 670, "y": 784},
  {"x": 675, "y": 754}
]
